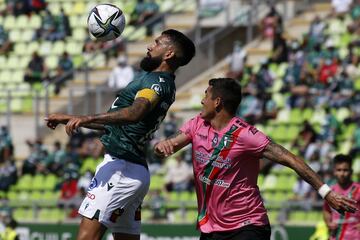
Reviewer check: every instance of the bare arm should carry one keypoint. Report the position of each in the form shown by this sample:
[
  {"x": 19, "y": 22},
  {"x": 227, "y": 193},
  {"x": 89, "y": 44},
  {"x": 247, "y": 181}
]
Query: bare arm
[
  {"x": 134, "y": 113},
  {"x": 171, "y": 145},
  {"x": 277, "y": 153},
  {"x": 131, "y": 114}
]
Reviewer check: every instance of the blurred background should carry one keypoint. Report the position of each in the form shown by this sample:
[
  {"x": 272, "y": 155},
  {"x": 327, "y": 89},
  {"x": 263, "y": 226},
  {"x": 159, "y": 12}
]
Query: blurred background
[{"x": 298, "y": 63}]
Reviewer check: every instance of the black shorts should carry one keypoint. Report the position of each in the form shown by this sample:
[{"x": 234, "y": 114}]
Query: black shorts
[{"x": 249, "y": 232}]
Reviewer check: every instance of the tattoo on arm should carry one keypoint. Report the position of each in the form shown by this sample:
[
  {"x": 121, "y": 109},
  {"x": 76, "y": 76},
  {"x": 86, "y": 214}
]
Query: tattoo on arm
[
  {"x": 133, "y": 113},
  {"x": 175, "y": 135},
  {"x": 279, "y": 154}
]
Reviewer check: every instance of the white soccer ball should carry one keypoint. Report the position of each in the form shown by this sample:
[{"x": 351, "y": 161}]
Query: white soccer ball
[{"x": 106, "y": 22}]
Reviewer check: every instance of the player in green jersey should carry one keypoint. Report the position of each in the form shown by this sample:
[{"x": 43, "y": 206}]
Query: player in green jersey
[{"x": 121, "y": 181}]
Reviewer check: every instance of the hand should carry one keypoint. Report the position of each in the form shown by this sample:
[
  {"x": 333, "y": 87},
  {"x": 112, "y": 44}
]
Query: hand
[
  {"x": 74, "y": 123},
  {"x": 57, "y": 118},
  {"x": 341, "y": 203},
  {"x": 165, "y": 148}
]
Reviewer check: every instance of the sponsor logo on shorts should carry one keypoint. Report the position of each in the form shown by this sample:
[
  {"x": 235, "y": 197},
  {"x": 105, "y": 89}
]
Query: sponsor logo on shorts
[
  {"x": 86, "y": 206},
  {"x": 116, "y": 214},
  {"x": 93, "y": 184},
  {"x": 90, "y": 195},
  {"x": 110, "y": 186}
]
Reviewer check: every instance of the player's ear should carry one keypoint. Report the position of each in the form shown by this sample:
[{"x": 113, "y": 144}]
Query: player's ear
[{"x": 169, "y": 54}]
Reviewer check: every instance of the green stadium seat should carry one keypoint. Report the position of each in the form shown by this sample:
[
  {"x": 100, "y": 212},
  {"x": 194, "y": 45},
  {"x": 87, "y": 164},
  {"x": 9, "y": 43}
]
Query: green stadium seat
[
  {"x": 33, "y": 47},
  {"x": 314, "y": 216},
  {"x": 10, "y": 22},
  {"x": 45, "y": 48},
  {"x": 73, "y": 47},
  {"x": 191, "y": 216},
  {"x": 270, "y": 182},
  {"x": 27, "y": 35},
  {"x": 18, "y": 76},
  {"x": 79, "y": 34},
  {"x": 139, "y": 34},
  {"x": 50, "y": 198},
  {"x": 157, "y": 182},
  {"x": 59, "y": 48},
  {"x": 24, "y": 183},
  {"x": 273, "y": 216},
  {"x": 34, "y": 21},
  {"x": 307, "y": 113},
  {"x": 20, "y": 49},
  {"x": 13, "y": 62},
  {"x": 23, "y": 214},
  {"x": 50, "y": 182},
  {"x": 146, "y": 215},
  {"x": 5, "y": 76},
  {"x": 51, "y": 62},
  {"x": 55, "y": 8},
  {"x": 22, "y": 21},
  {"x": 38, "y": 182},
  {"x": 89, "y": 164},
  {"x": 292, "y": 132},
  {"x": 296, "y": 116},
  {"x": 283, "y": 116},
  {"x": 15, "y": 36},
  {"x": 280, "y": 133},
  {"x": 24, "y": 61},
  {"x": 297, "y": 216},
  {"x": 78, "y": 8}
]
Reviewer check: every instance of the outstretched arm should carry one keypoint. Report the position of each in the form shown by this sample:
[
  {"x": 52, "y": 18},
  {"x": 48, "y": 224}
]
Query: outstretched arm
[
  {"x": 277, "y": 153},
  {"x": 58, "y": 118},
  {"x": 171, "y": 145},
  {"x": 134, "y": 113}
]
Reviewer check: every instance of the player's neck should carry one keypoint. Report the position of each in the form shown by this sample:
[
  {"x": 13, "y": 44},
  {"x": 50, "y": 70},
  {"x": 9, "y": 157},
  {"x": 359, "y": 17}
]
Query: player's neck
[
  {"x": 164, "y": 68},
  {"x": 345, "y": 185},
  {"x": 221, "y": 120}
]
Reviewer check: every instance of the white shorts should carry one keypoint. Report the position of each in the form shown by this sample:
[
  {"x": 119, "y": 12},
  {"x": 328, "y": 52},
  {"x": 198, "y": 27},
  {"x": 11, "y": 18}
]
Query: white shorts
[{"x": 115, "y": 195}]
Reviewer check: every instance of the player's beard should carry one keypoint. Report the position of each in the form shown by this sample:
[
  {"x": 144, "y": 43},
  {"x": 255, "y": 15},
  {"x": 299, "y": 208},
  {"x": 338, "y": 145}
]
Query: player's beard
[{"x": 149, "y": 64}]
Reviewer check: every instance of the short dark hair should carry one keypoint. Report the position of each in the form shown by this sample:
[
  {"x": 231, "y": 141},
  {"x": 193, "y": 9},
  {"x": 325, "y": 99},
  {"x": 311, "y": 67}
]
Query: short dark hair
[
  {"x": 342, "y": 158},
  {"x": 229, "y": 90},
  {"x": 183, "y": 43}
]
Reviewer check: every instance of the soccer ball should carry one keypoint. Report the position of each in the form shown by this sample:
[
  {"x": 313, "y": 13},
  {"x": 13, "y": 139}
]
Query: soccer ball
[{"x": 106, "y": 22}]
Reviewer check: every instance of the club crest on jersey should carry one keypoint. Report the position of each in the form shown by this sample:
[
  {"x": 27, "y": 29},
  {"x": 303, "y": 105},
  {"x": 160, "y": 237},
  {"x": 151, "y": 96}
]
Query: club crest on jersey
[
  {"x": 156, "y": 88},
  {"x": 227, "y": 141},
  {"x": 215, "y": 140},
  {"x": 93, "y": 184}
]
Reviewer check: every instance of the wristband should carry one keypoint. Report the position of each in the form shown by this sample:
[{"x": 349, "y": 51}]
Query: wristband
[{"x": 324, "y": 190}]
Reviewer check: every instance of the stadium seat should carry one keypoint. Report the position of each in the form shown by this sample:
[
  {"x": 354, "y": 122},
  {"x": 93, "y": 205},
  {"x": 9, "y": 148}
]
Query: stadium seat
[
  {"x": 50, "y": 182},
  {"x": 157, "y": 182},
  {"x": 59, "y": 48},
  {"x": 15, "y": 36},
  {"x": 9, "y": 22},
  {"x": 24, "y": 183},
  {"x": 38, "y": 182},
  {"x": 22, "y": 21},
  {"x": 296, "y": 116},
  {"x": 51, "y": 62},
  {"x": 23, "y": 214},
  {"x": 34, "y": 22},
  {"x": 33, "y": 47},
  {"x": 191, "y": 216},
  {"x": 270, "y": 182},
  {"x": 297, "y": 216},
  {"x": 45, "y": 48}
]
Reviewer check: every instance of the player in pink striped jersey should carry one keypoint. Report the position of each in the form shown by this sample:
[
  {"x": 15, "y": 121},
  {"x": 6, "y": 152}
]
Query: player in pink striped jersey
[
  {"x": 343, "y": 226},
  {"x": 226, "y": 154}
]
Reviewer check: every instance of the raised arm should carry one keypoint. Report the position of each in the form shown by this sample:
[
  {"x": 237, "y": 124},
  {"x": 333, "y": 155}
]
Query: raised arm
[
  {"x": 171, "y": 145},
  {"x": 277, "y": 153}
]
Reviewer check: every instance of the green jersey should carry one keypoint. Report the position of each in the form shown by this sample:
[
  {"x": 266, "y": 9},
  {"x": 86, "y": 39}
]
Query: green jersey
[{"x": 128, "y": 141}]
